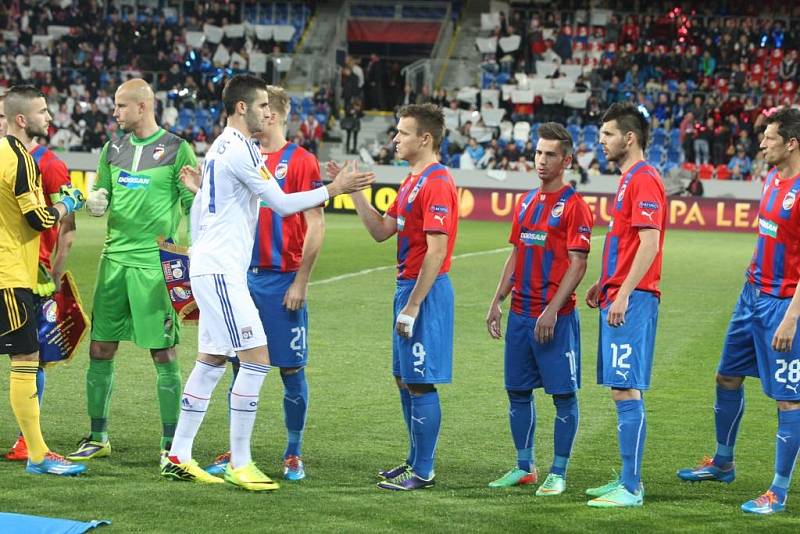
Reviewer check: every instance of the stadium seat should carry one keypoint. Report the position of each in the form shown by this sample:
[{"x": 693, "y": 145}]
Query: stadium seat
[
  {"x": 655, "y": 154},
  {"x": 506, "y": 130},
  {"x": 521, "y": 131},
  {"x": 690, "y": 167},
  {"x": 575, "y": 131},
  {"x": 590, "y": 136},
  {"x": 723, "y": 173},
  {"x": 705, "y": 171},
  {"x": 659, "y": 137},
  {"x": 675, "y": 138}
]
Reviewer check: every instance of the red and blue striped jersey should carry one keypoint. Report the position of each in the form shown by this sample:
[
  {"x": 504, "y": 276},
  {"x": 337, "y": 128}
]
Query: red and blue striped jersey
[
  {"x": 775, "y": 266},
  {"x": 279, "y": 240},
  {"x": 545, "y": 228},
  {"x": 640, "y": 203},
  {"x": 54, "y": 175},
  {"x": 425, "y": 203}
]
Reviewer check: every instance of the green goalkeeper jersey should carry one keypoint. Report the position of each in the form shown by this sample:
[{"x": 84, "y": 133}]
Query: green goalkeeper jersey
[{"x": 145, "y": 194}]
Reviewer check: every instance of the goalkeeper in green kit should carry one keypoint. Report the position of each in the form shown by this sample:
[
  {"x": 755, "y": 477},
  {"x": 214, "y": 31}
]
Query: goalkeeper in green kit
[{"x": 138, "y": 184}]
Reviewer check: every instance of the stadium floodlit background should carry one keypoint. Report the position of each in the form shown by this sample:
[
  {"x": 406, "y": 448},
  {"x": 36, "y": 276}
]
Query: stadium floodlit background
[{"x": 704, "y": 71}]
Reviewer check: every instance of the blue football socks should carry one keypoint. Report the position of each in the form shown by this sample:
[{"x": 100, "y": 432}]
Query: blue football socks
[
  {"x": 522, "y": 418},
  {"x": 728, "y": 412},
  {"x": 405, "y": 402},
  {"x": 631, "y": 432},
  {"x": 426, "y": 418},
  {"x": 565, "y": 427},
  {"x": 787, "y": 445},
  {"x": 295, "y": 407}
]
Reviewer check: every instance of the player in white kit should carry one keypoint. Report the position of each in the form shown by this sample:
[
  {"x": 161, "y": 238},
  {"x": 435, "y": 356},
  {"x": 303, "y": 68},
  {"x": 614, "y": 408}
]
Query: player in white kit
[{"x": 224, "y": 217}]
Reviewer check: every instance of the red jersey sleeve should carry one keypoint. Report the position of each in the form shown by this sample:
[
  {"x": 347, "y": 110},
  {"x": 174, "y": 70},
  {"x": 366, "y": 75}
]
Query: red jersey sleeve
[
  {"x": 647, "y": 203},
  {"x": 579, "y": 226},
  {"x": 515, "y": 225},
  {"x": 438, "y": 207},
  {"x": 54, "y": 175},
  {"x": 309, "y": 177}
]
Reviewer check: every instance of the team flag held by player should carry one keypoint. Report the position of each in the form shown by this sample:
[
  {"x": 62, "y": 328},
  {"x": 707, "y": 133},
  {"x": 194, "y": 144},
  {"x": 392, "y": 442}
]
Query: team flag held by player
[
  {"x": 62, "y": 323},
  {"x": 175, "y": 268}
]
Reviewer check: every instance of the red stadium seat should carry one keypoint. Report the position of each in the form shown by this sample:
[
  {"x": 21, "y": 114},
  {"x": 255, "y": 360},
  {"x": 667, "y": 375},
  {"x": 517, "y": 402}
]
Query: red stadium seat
[
  {"x": 723, "y": 173},
  {"x": 776, "y": 57},
  {"x": 757, "y": 72},
  {"x": 691, "y": 167},
  {"x": 773, "y": 88},
  {"x": 705, "y": 171},
  {"x": 789, "y": 88}
]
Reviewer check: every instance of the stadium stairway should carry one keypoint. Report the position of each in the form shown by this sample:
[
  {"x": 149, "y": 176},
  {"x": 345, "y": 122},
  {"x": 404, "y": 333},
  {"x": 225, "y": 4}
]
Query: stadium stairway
[
  {"x": 373, "y": 127},
  {"x": 461, "y": 64},
  {"x": 316, "y": 43}
]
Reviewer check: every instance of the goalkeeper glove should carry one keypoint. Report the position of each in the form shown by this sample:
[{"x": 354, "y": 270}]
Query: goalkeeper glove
[
  {"x": 97, "y": 204},
  {"x": 45, "y": 285},
  {"x": 72, "y": 198}
]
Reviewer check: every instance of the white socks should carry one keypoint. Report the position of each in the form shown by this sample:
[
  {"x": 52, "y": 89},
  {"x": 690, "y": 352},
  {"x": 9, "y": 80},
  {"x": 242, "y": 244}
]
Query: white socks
[
  {"x": 244, "y": 405},
  {"x": 194, "y": 403}
]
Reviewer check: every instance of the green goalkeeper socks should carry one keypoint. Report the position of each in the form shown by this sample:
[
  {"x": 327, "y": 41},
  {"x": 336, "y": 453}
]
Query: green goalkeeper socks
[
  {"x": 168, "y": 385},
  {"x": 99, "y": 383}
]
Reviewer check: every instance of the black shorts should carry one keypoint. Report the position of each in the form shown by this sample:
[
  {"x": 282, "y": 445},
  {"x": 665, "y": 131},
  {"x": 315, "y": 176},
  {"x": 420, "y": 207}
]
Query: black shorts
[{"x": 18, "y": 321}]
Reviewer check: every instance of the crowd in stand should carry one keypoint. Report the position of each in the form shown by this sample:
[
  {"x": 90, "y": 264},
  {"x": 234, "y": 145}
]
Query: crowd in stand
[
  {"x": 106, "y": 46},
  {"x": 702, "y": 78}
]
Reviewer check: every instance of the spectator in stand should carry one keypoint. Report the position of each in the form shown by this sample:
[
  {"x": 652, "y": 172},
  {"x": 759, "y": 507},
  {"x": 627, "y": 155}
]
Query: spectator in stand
[
  {"x": 702, "y": 142},
  {"x": 740, "y": 165},
  {"x": 351, "y": 123},
  {"x": 312, "y": 132},
  {"x": 788, "y": 70},
  {"x": 474, "y": 151},
  {"x": 293, "y": 125},
  {"x": 384, "y": 157},
  {"x": 408, "y": 96},
  {"x": 350, "y": 87},
  {"x": 695, "y": 187},
  {"x": 374, "y": 84}
]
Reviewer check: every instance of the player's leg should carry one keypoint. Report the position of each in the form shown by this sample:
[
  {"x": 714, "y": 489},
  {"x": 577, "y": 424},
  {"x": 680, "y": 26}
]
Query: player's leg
[
  {"x": 780, "y": 380},
  {"x": 156, "y": 327},
  {"x": 110, "y": 325},
  {"x": 624, "y": 365},
  {"x": 426, "y": 359},
  {"x": 738, "y": 360},
  {"x": 19, "y": 339},
  {"x": 560, "y": 364},
  {"x": 521, "y": 376},
  {"x": 287, "y": 334},
  {"x": 295, "y": 409}
]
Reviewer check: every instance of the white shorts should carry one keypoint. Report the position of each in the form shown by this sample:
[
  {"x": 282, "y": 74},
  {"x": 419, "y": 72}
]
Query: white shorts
[{"x": 229, "y": 320}]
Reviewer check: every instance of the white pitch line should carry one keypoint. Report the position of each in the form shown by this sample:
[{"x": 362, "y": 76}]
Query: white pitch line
[{"x": 392, "y": 267}]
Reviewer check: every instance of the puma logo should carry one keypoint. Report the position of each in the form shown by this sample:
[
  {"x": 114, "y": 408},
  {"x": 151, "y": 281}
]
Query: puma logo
[
  {"x": 115, "y": 147},
  {"x": 586, "y": 239},
  {"x": 793, "y": 388},
  {"x": 623, "y": 375},
  {"x": 648, "y": 215},
  {"x": 563, "y": 419},
  {"x": 784, "y": 439},
  {"x": 440, "y": 218}
]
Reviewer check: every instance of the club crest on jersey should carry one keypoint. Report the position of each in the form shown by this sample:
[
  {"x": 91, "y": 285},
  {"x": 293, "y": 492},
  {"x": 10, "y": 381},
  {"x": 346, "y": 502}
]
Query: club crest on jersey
[
  {"x": 621, "y": 193},
  {"x": 414, "y": 193},
  {"x": 247, "y": 332},
  {"x": 281, "y": 170},
  {"x": 558, "y": 209},
  {"x": 767, "y": 227},
  {"x": 535, "y": 238},
  {"x": 132, "y": 181},
  {"x": 788, "y": 200},
  {"x": 158, "y": 152}
]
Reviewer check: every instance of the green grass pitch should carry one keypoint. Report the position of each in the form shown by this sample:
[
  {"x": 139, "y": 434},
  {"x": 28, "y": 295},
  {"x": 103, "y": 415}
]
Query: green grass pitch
[{"x": 355, "y": 425}]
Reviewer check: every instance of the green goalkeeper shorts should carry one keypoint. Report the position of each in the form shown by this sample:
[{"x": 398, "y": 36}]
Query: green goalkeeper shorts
[{"x": 132, "y": 304}]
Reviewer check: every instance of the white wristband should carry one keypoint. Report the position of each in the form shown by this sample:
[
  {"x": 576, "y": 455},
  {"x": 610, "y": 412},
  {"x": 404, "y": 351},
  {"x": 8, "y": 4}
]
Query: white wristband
[{"x": 408, "y": 322}]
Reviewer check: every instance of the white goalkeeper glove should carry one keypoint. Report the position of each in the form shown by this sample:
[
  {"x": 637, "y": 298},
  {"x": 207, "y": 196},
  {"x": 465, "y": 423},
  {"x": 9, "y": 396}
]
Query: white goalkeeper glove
[
  {"x": 97, "y": 203},
  {"x": 405, "y": 325}
]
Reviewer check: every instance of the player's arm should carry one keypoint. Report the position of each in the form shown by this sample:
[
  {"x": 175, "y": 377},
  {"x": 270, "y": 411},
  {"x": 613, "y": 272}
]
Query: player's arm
[
  {"x": 504, "y": 287},
  {"x": 185, "y": 158},
  {"x": 380, "y": 227},
  {"x": 99, "y": 196},
  {"x": 66, "y": 236},
  {"x": 784, "y": 335},
  {"x": 39, "y": 216},
  {"x": 431, "y": 264},
  {"x": 546, "y": 322},
  {"x": 315, "y": 233},
  {"x": 645, "y": 254},
  {"x": 255, "y": 176}
]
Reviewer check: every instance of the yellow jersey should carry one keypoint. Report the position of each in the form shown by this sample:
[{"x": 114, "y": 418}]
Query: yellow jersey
[{"x": 23, "y": 214}]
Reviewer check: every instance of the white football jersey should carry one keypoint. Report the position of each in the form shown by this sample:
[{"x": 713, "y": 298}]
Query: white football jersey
[{"x": 224, "y": 222}]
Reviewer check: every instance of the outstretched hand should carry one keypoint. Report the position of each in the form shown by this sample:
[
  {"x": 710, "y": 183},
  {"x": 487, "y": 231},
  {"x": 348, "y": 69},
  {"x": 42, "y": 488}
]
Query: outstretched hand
[
  {"x": 190, "y": 176},
  {"x": 349, "y": 180}
]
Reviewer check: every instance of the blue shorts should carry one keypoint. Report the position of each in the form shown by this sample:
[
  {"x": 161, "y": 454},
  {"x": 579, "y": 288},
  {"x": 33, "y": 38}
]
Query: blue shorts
[
  {"x": 625, "y": 353},
  {"x": 426, "y": 357},
  {"x": 748, "y": 345},
  {"x": 287, "y": 331},
  {"x": 556, "y": 366}
]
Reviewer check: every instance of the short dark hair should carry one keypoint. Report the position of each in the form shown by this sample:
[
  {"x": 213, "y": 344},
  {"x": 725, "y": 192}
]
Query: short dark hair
[
  {"x": 629, "y": 119},
  {"x": 788, "y": 121},
  {"x": 552, "y": 131},
  {"x": 430, "y": 119},
  {"x": 18, "y": 97},
  {"x": 241, "y": 88}
]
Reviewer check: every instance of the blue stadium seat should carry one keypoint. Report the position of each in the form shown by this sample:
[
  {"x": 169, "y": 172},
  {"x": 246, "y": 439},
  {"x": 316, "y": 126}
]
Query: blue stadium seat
[
  {"x": 655, "y": 154},
  {"x": 675, "y": 138},
  {"x": 659, "y": 137},
  {"x": 590, "y": 136},
  {"x": 575, "y": 131}
]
